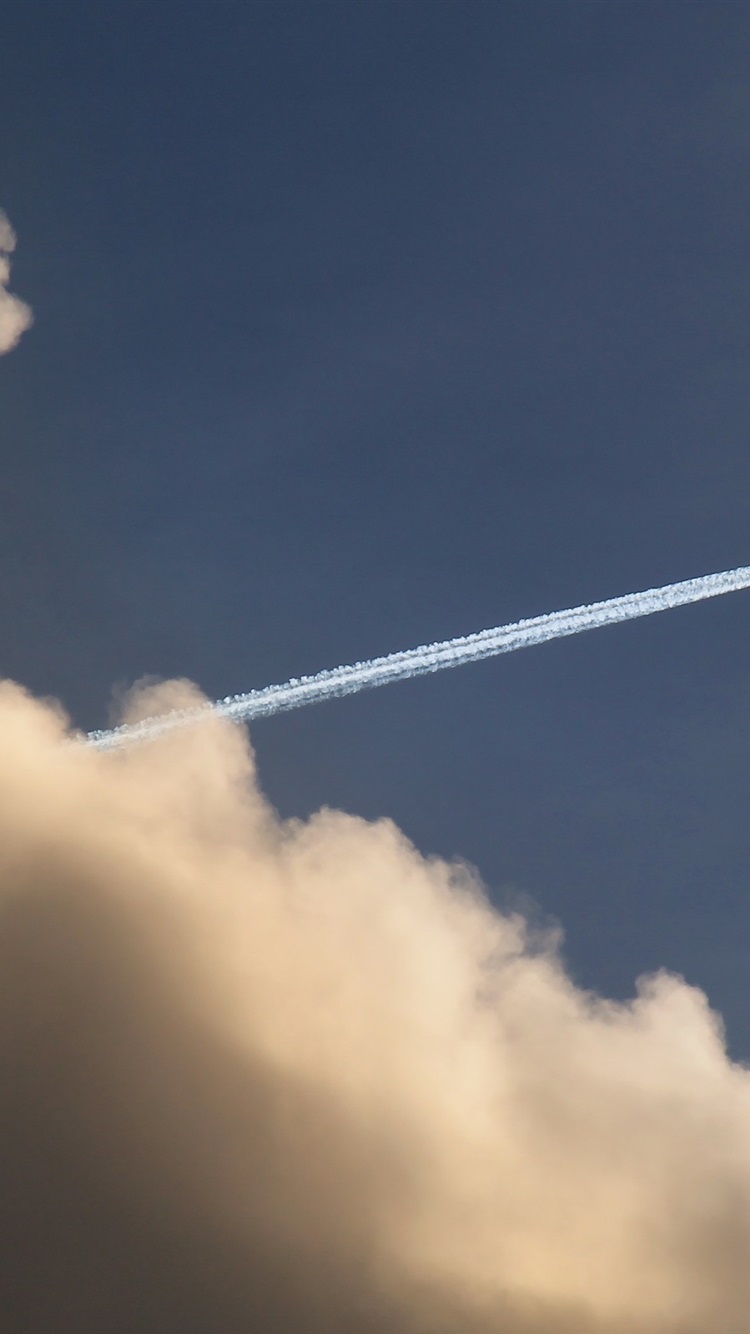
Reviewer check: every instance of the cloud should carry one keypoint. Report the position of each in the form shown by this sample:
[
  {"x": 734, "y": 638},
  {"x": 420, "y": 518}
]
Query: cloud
[
  {"x": 15, "y": 316},
  {"x": 267, "y": 1075}
]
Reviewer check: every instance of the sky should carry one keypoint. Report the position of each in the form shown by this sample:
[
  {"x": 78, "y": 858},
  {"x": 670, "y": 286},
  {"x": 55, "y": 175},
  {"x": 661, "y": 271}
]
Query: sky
[
  {"x": 362, "y": 325},
  {"x": 329, "y": 329}
]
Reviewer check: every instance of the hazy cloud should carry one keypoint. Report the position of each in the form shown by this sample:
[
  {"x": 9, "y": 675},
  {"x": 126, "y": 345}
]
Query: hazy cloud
[
  {"x": 15, "y": 315},
  {"x": 294, "y": 1076}
]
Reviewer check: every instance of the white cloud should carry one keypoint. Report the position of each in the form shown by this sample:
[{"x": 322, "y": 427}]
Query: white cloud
[
  {"x": 268, "y": 1075},
  {"x": 15, "y": 315}
]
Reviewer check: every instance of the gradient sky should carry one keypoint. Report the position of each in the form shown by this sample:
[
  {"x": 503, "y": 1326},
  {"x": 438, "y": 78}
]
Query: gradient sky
[{"x": 363, "y": 324}]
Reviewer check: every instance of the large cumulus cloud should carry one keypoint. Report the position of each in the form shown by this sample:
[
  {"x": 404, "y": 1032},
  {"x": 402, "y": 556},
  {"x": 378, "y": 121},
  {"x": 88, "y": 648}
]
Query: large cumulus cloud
[{"x": 265, "y": 1076}]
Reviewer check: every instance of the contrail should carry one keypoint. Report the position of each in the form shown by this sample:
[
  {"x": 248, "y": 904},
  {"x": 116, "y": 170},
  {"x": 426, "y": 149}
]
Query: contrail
[{"x": 337, "y": 681}]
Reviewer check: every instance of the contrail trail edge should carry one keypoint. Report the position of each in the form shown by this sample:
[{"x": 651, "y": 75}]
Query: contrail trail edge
[{"x": 337, "y": 681}]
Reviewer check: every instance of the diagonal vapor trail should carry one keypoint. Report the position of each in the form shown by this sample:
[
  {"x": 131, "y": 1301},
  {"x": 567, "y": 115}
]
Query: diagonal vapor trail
[{"x": 337, "y": 681}]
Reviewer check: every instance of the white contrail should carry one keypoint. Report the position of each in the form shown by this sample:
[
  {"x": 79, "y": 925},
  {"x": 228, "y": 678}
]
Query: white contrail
[{"x": 337, "y": 681}]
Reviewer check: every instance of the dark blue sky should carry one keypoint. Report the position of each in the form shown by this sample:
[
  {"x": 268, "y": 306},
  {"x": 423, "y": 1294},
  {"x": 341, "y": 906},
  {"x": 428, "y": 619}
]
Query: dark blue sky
[{"x": 360, "y": 324}]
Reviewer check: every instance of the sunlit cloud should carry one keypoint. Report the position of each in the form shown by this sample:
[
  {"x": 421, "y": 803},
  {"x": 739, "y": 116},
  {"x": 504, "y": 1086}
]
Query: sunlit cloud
[
  {"x": 293, "y": 1075},
  {"x": 15, "y": 315}
]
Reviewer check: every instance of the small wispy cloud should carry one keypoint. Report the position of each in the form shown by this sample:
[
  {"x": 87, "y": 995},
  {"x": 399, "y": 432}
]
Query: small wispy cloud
[{"x": 15, "y": 315}]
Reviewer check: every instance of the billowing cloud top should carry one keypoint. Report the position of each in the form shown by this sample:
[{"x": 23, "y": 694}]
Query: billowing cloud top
[
  {"x": 15, "y": 315},
  {"x": 267, "y": 1075}
]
